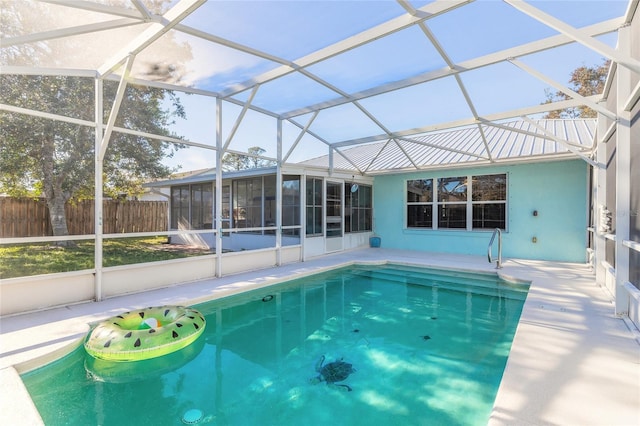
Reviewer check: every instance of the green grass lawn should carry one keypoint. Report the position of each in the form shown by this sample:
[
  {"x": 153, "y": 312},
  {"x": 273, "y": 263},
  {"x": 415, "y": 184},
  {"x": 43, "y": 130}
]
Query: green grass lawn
[{"x": 22, "y": 260}]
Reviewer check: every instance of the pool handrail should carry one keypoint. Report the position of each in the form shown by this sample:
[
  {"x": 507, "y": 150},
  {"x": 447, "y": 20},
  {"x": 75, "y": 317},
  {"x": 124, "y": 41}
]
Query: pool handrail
[{"x": 499, "y": 260}]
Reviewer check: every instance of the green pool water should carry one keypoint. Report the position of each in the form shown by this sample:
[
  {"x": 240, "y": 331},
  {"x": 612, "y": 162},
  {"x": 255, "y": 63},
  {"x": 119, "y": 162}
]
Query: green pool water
[{"x": 428, "y": 347}]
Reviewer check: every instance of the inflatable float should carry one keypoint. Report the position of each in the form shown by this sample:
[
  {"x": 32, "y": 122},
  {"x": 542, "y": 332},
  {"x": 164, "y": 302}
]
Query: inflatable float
[
  {"x": 145, "y": 333},
  {"x": 102, "y": 370}
]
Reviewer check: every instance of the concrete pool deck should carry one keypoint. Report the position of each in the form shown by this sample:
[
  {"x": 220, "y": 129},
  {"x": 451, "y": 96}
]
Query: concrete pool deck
[{"x": 572, "y": 361}]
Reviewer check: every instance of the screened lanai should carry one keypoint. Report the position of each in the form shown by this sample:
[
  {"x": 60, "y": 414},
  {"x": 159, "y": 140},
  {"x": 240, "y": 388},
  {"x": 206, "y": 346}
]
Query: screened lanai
[
  {"x": 355, "y": 92},
  {"x": 277, "y": 139}
]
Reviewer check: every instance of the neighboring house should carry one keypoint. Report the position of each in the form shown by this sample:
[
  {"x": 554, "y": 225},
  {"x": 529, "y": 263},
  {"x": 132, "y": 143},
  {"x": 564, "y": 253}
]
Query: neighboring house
[{"x": 154, "y": 194}]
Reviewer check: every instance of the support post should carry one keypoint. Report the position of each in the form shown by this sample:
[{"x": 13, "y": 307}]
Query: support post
[
  {"x": 279, "y": 194},
  {"x": 98, "y": 184},
  {"x": 600, "y": 199},
  {"x": 218, "y": 200},
  {"x": 623, "y": 174}
]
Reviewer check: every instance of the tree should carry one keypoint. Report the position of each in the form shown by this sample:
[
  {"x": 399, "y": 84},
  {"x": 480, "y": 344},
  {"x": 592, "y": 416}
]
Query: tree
[
  {"x": 56, "y": 159},
  {"x": 40, "y": 156},
  {"x": 585, "y": 81},
  {"x": 251, "y": 160}
]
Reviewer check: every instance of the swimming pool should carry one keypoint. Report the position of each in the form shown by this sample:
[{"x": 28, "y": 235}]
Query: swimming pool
[{"x": 428, "y": 347}]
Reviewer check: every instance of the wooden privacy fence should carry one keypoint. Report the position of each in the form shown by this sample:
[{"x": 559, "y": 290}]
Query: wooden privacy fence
[{"x": 23, "y": 217}]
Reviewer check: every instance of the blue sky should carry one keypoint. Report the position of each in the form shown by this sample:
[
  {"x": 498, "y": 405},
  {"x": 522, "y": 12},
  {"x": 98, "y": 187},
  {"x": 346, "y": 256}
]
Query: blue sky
[{"x": 293, "y": 29}]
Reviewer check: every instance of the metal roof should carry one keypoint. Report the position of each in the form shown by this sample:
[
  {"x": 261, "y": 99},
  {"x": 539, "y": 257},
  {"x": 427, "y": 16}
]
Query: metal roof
[
  {"x": 305, "y": 78},
  {"x": 210, "y": 176},
  {"x": 521, "y": 140}
]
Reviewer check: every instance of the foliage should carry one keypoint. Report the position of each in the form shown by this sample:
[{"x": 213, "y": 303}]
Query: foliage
[
  {"x": 251, "y": 160},
  {"x": 55, "y": 158},
  {"x": 32, "y": 259},
  {"x": 34, "y": 150},
  {"x": 585, "y": 81}
]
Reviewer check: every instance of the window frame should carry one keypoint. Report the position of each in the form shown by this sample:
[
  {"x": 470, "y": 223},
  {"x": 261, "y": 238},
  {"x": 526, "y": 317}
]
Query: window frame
[
  {"x": 436, "y": 204},
  {"x": 180, "y": 196},
  {"x": 359, "y": 204},
  {"x": 291, "y": 205},
  {"x": 193, "y": 202},
  {"x": 334, "y": 216},
  {"x": 503, "y": 202},
  {"x": 426, "y": 204},
  {"x": 316, "y": 196},
  {"x": 441, "y": 204}
]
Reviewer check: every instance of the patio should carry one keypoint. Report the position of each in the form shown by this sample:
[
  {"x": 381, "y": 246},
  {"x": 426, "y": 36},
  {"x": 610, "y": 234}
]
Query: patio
[{"x": 572, "y": 361}]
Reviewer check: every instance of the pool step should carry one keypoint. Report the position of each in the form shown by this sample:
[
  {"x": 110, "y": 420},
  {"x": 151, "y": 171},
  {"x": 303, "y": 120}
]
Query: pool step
[
  {"x": 429, "y": 273},
  {"x": 450, "y": 280}
]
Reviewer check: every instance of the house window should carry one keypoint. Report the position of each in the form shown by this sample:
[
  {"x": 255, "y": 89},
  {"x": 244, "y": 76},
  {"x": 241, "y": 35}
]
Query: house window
[
  {"x": 202, "y": 206},
  {"x": 452, "y": 203},
  {"x": 314, "y": 206},
  {"x": 358, "y": 208},
  {"x": 180, "y": 207},
  {"x": 291, "y": 204},
  {"x": 489, "y": 201},
  {"x": 420, "y": 203},
  {"x": 334, "y": 210},
  {"x": 192, "y": 206},
  {"x": 226, "y": 206},
  {"x": 462, "y": 202},
  {"x": 247, "y": 203},
  {"x": 269, "y": 212}
]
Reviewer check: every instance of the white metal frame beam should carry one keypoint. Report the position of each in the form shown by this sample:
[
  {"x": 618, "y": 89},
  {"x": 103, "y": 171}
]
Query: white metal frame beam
[
  {"x": 606, "y": 135},
  {"x": 347, "y": 159},
  {"x": 25, "y": 70},
  {"x": 490, "y": 59},
  {"x": 489, "y": 120},
  {"x": 47, "y": 115},
  {"x": 173, "y": 18},
  {"x": 452, "y": 69},
  {"x": 115, "y": 109},
  {"x": 375, "y": 157},
  {"x": 236, "y": 125},
  {"x": 633, "y": 98},
  {"x": 571, "y": 148},
  {"x": 96, "y": 7},
  {"x": 382, "y": 30},
  {"x": 622, "y": 178},
  {"x": 346, "y": 95},
  {"x": 218, "y": 191},
  {"x": 311, "y": 133},
  {"x": 406, "y": 154},
  {"x": 146, "y": 15},
  {"x": 564, "y": 89},
  {"x": 176, "y": 14},
  {"x": 232, "y": 45},
  {"x": 300, "y": 135},
  {"x": 98, "y": 186},
  {"x": 443, "y": 148},
  {"x": 387, "y": 28},
  {"x": 78, "y": 121},
  {"x": 579, "y": 36},
  {"x": 467, "y": 121},
  {"x": 68, "y": 32},
  {"x": 445, "y": 56},
  {"x": 578, "y": 146}
]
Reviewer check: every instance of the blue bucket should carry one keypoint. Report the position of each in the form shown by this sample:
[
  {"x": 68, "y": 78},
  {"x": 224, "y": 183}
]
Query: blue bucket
[{"x": 375, "y": 242}]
